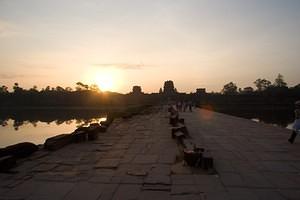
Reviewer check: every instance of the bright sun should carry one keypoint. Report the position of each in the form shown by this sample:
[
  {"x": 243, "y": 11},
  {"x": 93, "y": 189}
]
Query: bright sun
[
  {"x": 106, "y": 82},
  {"x": 106, "y": 79}
]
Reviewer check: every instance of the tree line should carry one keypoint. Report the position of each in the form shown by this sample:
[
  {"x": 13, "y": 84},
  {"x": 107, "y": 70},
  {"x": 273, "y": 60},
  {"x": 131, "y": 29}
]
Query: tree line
[
  {"x": 261, "y": 84},
  {"x": 266, "y": 93}
]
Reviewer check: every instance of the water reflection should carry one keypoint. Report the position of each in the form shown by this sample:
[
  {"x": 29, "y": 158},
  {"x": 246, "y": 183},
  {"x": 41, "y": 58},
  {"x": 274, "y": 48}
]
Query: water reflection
[
  {"x": 37, "y": 125},
  {"x": 79, "y": 122},
  {"x": 279, "y": 117}
]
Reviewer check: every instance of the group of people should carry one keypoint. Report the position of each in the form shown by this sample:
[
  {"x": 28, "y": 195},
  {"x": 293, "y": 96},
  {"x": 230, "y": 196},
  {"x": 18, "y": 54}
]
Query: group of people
[
  {"x": 296, "y": 126},
  {"x": 182, "y": 106}
]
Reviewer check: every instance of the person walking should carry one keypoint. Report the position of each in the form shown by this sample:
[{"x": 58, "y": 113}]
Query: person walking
[{"x": 296, "y": 126}]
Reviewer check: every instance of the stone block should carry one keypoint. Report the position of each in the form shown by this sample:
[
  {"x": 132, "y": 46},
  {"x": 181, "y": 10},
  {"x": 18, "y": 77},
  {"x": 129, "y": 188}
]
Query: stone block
[
  {"x": 58, "y": 142},
  {"x": 19, "y": 150},
  {"x": 6, "y": 163}
]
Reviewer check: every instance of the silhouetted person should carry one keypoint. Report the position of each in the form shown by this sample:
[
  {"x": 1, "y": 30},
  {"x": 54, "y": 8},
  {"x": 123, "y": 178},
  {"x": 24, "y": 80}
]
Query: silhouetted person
[
  {"x": 296, "y": 126},
  {"x": 190, "y": 105}
]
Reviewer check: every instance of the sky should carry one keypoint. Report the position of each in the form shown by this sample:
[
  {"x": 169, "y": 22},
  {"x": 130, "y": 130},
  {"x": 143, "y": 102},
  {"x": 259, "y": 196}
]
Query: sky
[{"x": 120, "y": 43}]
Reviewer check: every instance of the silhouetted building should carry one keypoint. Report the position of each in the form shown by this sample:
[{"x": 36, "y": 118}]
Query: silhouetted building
[
  {"x": 169, "y": 87},
  {"x": 200, "y": 91},
  {"x": 136, "y": 89}
]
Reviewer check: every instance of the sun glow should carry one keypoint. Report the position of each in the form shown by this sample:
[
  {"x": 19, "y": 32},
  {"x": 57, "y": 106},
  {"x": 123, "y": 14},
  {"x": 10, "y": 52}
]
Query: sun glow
[{"x": 106, "y": 79}]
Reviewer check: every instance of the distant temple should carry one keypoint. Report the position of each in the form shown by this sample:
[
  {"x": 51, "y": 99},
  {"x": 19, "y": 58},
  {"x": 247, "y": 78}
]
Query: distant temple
[
  {"x": 169, "y": 87},
  {"x": 137, "y": 89},
  {"x": 200, "y": 91}
]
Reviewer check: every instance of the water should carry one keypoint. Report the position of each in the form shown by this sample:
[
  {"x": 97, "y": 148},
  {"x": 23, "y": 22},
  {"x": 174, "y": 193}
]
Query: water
[
  {"x": 37, "y": 125},
  {"x": 277, "y": 117}
]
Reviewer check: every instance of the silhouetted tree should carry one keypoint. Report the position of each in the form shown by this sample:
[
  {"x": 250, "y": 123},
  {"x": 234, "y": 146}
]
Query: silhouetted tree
[
  {"x": 81, "y": 86},
  {"x": 279, "y": 81},
  {"x": 229, "y": 88},
  {"x": 94, "y": 88},
  {"x": 16, "y": 88},
  {"x": 68, "y": 89},
  {"x": 33, "y": 89},
  {"x": 160, "y": 90},
  {"x": 3, "y": 89},
  {"x": 59, "y": 89},
  {"x": 262, "y": 84}
]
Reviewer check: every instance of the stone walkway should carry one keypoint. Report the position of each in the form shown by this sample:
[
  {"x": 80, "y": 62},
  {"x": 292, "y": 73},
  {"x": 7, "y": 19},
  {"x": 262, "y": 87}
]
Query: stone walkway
[{"x": 137, "y": 159}]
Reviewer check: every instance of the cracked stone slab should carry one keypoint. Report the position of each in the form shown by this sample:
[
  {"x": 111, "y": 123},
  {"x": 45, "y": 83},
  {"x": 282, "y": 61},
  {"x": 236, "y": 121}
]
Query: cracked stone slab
[
  {"x": 156, "y": 187},
  {"x": 44, "y": 167},
  {"x": 107, "y": 164},
  {"x": 158, "y": 179},
  {"x": 145, "y": 159}
]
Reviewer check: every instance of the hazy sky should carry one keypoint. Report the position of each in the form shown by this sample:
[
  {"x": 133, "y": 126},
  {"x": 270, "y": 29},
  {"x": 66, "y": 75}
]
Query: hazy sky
[{"x": 195, "y": 43}]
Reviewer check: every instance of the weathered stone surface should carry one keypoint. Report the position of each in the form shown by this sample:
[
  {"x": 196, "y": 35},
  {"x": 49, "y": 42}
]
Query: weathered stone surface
[
  {"x": 84, "y": 190},
  {"x": 19, "y": 150},
  {"x": 127, "y": 192},
  {"x": 107, "y": 163},
  {"x": 157, "y": 195},
  {"x": 6, "y": 163},
  {"x": 58, "y": 142},
  {"x": 145, "y": 159},
  {"x": 44, "y": 167},
  {"x": 158, "y": 179},
  {"x": 137, "y": 159}
]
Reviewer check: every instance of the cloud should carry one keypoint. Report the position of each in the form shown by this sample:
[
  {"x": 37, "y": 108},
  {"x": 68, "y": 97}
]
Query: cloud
[
  {"x": 10, "y": 76},
  {"x": 7, "y": 29},
  {"x": 15, "y": 76},
  {"x": 124, "y": 66}
]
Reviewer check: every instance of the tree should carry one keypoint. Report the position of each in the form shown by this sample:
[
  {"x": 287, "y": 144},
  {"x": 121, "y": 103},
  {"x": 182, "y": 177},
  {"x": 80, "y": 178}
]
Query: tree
[
  {"x": 59, "y": 89},
  {"x": 229, "y": 88},
  {"x": 3, "y": 89},
  {"x": 262, "y": 84},
  {"x": 80, "y": 86},
  {"x": 279, "y": 81},
  {"x": 68, "y": 89},
  {"x": 16, "y": 88},
  {"x": 33, "y": 89},
  {"x": 160, "y": 90},
  {"x": 94, "y": 88}
]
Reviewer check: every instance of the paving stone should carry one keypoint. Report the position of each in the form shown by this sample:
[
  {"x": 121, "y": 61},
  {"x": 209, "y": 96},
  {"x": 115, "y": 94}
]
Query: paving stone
[
  {"x": 183, "y": 179},
  {"x": 160, "y": 169},
  {"x": 209, "y": 183},
  {"x": 21, "y": 191},
  {"x": 145, "y": 159},
  {"x": 127, "y": 192},
  {"x": 108, "y": 191},
  {"x": 267, "y": 194},
  {"x": 282, "y": 180},
  {"x": 44, "y": 167},
  {"x": 215, "y": 195},
  {"x": 256, "y": 180},
  {"x": 232, "y": 179},
  {"x": 100, "y": 179},
  {"x": 84, "y": 190},
  {"x": 107, "y": 163},
  {"x": 179, "y": 168},
  {"x": 241, "y": 193},
  {"x": 50, "y": 190},
  {"x": 186, "y": 197},
  {"x": 158, "y": 179},
  {"x": 184, "y": 189},
  {"x": 290, "y": 194},
  {"x": 157, "y": 195},
  {"x": 156, "y": 187}
]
